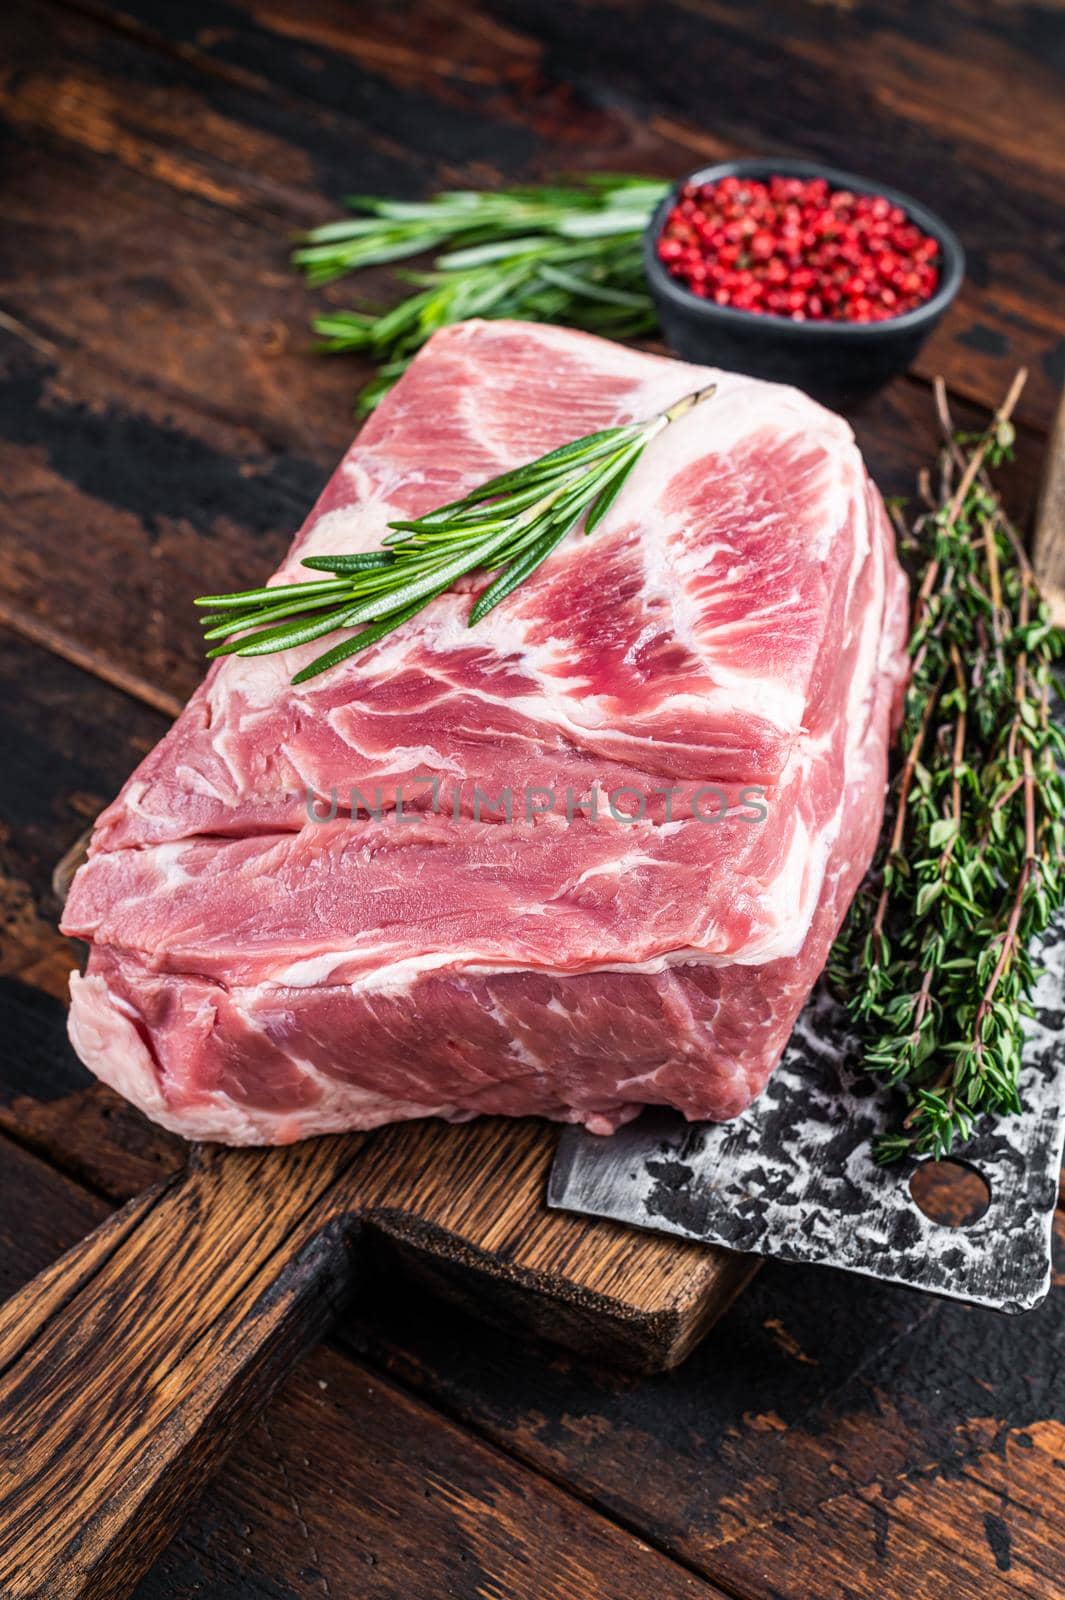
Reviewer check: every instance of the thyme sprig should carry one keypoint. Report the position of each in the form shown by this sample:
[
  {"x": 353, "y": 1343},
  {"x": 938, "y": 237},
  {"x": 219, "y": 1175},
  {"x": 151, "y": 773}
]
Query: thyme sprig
[
  {"x": 508, "y": 525},
  {"x": 936, "y": 960},
  {"x": 543, "y": 253}
]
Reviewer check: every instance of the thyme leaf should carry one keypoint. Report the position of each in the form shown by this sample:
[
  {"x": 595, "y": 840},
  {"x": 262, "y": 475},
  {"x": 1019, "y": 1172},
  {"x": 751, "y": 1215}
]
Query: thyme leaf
[{"x": 936, "y": 958}]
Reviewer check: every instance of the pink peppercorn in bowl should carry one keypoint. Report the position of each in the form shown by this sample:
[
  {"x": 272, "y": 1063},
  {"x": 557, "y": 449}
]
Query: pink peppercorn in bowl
[{"x": 845, "y": 281}]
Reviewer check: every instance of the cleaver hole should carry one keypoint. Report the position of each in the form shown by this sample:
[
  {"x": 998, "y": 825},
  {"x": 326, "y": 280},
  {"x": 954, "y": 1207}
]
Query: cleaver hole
[{"x": 950, "y": 1192}]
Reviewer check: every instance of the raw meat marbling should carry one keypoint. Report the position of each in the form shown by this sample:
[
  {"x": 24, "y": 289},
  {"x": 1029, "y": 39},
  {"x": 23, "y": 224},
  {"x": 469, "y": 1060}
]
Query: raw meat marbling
[{"x": 736, "y": 624}]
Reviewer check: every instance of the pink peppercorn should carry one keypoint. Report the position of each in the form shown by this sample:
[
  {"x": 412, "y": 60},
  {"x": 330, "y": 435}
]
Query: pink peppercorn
[{"x": 792, "y": 247}]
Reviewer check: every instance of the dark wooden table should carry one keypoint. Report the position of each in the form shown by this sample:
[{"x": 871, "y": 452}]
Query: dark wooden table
[{"x": 162, "y": 431}]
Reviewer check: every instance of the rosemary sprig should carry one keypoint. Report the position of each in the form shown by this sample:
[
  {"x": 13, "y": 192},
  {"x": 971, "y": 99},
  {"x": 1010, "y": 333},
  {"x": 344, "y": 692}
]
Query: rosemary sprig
[
  {"x": 508, "y": 525},
  {"x": 936, "y": 958},
  {"x": 547, "y": 253},
  {"x": 599, "y": 205}
]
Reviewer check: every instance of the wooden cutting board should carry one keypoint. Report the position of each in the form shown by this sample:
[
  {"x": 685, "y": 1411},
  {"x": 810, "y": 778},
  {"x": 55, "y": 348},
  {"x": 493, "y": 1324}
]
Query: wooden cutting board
[{"x": 129, "y": 1367}]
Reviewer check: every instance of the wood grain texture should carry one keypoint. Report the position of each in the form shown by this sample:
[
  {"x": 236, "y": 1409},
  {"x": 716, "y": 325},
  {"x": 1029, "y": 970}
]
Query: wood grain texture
[
  {"x": 160, "y": 418},
  {"x": 464, "y": 1208},
  {"x": 957, "y": 107},
  {"x": 127, "y": 1374},
  {"x": 360, "y": 1491},
  {"x": 1049, "y": 541},
  {"x": 129, "y": 1369},
  {"x": 351, "y": 1488},
  {"x": 831, "y": 1438}
]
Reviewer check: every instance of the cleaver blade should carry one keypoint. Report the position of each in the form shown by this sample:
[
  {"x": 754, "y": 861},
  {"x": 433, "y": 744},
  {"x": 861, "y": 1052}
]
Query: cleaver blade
[{"x": 793, "y": 1177}]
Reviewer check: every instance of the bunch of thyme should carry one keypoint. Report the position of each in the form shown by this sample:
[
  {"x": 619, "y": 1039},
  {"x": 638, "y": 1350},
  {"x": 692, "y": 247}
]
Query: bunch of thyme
[
  {"x": 544, "y": 253},
  {"x": 936, "y": 960}
]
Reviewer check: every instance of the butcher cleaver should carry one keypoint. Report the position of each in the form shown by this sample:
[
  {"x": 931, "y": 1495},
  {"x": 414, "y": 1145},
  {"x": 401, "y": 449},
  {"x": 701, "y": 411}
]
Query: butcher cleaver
[{"x": 793, "y": 1177}]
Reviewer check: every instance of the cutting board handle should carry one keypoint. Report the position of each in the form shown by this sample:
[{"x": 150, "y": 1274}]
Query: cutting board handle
[{"x": 128, "y": 1367}]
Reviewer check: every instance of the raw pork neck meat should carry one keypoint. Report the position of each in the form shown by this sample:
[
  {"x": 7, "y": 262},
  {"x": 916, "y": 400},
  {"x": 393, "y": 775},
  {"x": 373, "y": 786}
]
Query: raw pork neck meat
[{"x": 735, "y": 624}]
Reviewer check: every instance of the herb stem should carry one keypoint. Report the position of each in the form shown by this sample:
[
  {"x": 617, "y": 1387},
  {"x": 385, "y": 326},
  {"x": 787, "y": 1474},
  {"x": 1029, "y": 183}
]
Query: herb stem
[
  {"x": 936, "y": 960},
  {"x": 509, "y": 524},
  {"x": 562, "y": 253}
]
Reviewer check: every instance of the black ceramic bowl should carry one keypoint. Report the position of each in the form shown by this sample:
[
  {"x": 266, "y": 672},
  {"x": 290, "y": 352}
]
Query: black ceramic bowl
[{"x": 837, "y": 362}]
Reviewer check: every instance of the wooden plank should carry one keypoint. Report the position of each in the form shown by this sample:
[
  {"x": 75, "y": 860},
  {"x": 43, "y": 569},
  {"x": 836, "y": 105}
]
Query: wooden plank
[
  {"x": 156, "y": 504},
  {"x": 75, "y": 741},
  {"x": 33, "y": 1234},
  {"x": 462, "y": 1209},
  {"x": 49, "y": 794},
  {"x": 832, "y": 1437},
  {"x": 203, "y": 136},
  {"x": 49, "y": 1103},
  {"x": 353, "y": 1490},
  {"x": 637, "y": 90},
  {"x": 189, "y": 221},
  {"x": 122, "y": 242},
  {"x": 420, "y": 1508},
  {"x": 130, "y": 1373}
]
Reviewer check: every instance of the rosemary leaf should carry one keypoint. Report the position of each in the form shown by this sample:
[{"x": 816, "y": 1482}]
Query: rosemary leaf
[
  {"x": 427, "y": 584},
  {"x": 609, "y": 494},
  {"x": 284, "y": 637},
  {"x": 356, "y": 563},
  {"x": 512, "y": 522},
  {"x": 266, "y": 595},
  {"x": 562, "y": 253},
  {"x": 361, "y": 641},
  {"x": 287, "y": 606},
  {"x": 519, "y": 569}
]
